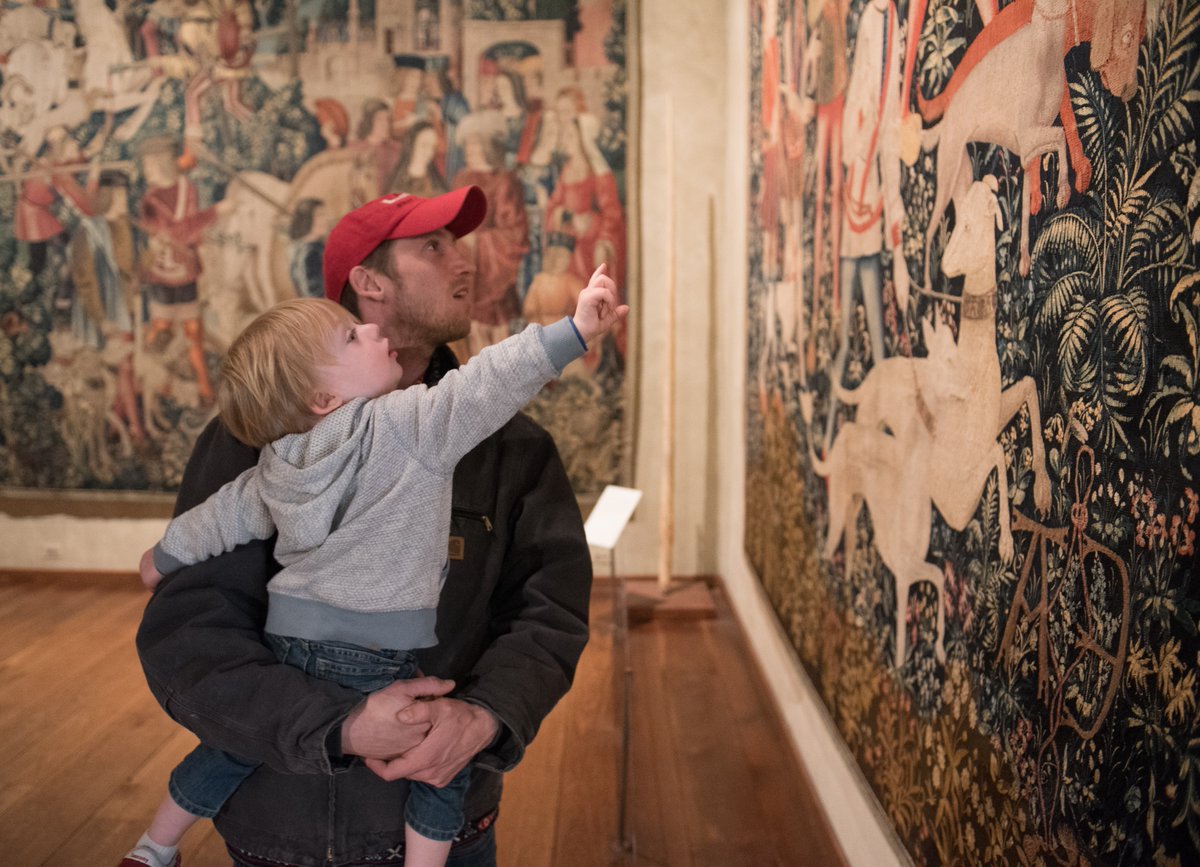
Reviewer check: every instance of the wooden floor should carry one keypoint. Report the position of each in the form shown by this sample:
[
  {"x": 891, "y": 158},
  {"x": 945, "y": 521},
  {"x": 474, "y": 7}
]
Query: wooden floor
[{"x": 86, "y": 751}]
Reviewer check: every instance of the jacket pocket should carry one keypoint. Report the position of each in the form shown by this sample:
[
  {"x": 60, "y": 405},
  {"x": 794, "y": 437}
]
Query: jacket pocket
[
  {"x": 461, "y": 522},
  {"x": 472, "y": 515}
]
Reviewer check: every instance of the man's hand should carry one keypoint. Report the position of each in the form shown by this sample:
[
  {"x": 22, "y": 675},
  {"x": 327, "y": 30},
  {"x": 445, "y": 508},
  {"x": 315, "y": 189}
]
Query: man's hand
[
  {"x": 377, "y": 728},
  {"x": 146, "y": 568},
  {"x": 457, "y": 731},
  {"x": 597, "y": 310}
]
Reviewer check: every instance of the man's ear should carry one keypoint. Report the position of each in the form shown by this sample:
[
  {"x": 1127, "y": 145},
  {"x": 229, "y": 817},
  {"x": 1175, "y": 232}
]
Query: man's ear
[
  {"x": 324, "y": 403},
  {"x": 363, "y": 282}
]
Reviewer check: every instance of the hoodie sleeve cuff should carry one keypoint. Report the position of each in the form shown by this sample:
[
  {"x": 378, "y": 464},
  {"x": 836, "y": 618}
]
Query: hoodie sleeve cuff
[
  {"x": 164, "y": 562},
  {"x": 562, "y": 343}
]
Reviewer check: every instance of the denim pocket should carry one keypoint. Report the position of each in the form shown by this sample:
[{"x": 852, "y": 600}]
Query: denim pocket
[
  {"x": 362, "y": 669},
  {"x": 352, "y": 666}
]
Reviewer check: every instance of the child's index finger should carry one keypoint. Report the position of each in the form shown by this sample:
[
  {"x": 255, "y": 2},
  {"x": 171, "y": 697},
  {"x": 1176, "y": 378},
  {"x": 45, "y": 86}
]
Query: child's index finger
[{"x": 599, "y": 272}]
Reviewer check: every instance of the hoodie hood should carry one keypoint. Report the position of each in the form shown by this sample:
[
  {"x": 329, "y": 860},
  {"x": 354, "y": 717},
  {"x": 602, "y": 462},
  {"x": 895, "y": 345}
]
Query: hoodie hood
[{"x": 308, "y": 477}]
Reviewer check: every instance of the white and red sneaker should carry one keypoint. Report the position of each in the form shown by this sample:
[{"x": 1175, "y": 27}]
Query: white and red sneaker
[{"x": 144, "y": 857}]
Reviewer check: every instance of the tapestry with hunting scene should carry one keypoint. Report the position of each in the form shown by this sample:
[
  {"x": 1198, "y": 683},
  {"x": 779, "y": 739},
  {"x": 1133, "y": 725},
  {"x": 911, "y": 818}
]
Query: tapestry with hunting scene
[
  {"x": 973, "y": 415},
  {"x": 171, "y": 168}
]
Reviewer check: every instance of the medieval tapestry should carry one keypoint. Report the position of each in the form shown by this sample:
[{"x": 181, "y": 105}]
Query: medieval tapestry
[
  {"x": 171, "y": 168},
  {"x": 974, "y": 409}
]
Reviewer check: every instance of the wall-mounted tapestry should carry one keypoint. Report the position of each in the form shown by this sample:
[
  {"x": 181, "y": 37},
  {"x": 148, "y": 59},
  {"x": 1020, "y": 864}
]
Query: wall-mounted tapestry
[
  {"x": 974, "y": 409},
  {"x": 170, "y": 168}
]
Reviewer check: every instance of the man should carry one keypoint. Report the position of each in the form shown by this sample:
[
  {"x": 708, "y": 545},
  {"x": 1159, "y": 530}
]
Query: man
[{"x": 511, "y": 624}]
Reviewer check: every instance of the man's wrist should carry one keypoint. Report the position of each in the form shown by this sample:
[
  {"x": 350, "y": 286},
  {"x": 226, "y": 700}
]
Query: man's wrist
[
  {"x": 489, "y": 724},
  {"x": 339, "y": 743},
  {"x": 502, "y": 752},
  {"x": 488, "y": 721}
]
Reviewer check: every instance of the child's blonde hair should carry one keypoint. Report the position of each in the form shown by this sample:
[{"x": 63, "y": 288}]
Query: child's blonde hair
[{"x": 269, "y": 375}]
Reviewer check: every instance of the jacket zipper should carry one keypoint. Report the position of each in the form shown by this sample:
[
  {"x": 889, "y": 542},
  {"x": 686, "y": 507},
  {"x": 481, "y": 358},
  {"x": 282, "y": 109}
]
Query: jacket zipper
[
  {"x": 331, "y": 819},
  {"x": 459, "y": 512}
]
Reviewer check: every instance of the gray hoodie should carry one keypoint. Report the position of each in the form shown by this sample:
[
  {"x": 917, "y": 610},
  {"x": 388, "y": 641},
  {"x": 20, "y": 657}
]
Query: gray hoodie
[{"x": 371, "y": 479}]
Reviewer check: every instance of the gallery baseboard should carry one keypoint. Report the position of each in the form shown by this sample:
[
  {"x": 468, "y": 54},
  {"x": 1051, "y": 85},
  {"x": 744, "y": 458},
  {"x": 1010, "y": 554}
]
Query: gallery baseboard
[{"x": 66, "y": 543}]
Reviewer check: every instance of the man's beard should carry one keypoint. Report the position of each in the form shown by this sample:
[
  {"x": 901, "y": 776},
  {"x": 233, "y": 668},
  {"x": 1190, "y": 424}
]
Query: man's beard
[
  {"x": 418, "y": 322},
  {"x": 450, "y": 331}
]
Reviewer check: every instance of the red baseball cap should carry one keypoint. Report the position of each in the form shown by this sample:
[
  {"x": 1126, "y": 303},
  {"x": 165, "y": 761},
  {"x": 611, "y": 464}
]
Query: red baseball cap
[{"x": 396, "y": 216}]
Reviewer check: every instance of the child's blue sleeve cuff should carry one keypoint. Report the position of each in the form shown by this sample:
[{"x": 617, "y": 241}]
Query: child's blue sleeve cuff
[
  {"x": 562, "y": 343},
  {"x": 574, "y": 328}
]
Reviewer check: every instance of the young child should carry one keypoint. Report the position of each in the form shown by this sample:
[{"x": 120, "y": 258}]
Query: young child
[{"x": 350, "y": 469}]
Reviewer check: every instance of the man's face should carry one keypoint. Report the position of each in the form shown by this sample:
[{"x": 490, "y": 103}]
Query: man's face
[{"x": 428, "y": 301}]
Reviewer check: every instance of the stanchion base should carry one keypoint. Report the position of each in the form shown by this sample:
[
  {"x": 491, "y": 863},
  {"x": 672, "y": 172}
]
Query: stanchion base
[{"x": 684, "y": 600}]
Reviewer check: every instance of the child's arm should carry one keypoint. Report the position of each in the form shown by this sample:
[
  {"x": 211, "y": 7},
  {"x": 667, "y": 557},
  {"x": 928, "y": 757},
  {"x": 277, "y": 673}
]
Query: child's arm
[
  {"x": 444, "y": 423},
  {"x": 234, "y": 515}
]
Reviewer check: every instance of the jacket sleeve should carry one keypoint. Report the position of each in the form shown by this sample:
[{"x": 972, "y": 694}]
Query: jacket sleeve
[
  {"x": 474, "y": 401},
  {"x": 539, "y": 609},
  {"x": 234, "y": 515},
  {"x": 200, "y": 643}
]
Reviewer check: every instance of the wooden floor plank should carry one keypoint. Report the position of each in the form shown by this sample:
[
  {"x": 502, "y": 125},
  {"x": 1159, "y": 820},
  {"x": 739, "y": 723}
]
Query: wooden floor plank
[
  {"x": 718, "y": 761},
  {"x": 588, "y": 794},
  {"x": 77, "y": 782},
  {"x": 72, "y": 699},
  {"x": 707, "y": 753},
  {"x": 526, "y": 828},
  {"x": 88, "y": 751},
  {"x": 33, "y": 614},
  {"x": 658, "y": 818},
  {"x": 783, "y": 802},
  {"x": 124, "y": 816}
]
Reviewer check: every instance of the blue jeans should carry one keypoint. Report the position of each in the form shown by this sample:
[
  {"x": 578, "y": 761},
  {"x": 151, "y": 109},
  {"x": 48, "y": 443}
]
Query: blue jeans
[{"x": 206, "y": 777}]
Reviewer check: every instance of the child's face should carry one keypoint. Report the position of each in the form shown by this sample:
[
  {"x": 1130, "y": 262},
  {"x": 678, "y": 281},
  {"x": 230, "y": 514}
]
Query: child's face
[{"x": 364, "y": 364}]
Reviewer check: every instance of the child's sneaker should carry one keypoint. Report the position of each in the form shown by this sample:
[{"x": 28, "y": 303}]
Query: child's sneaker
[{"x": 142, "y": 856}]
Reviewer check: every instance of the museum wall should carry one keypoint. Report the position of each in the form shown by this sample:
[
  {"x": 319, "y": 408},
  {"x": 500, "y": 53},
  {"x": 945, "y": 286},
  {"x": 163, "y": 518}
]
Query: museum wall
[{"x": 971, "y": 434}]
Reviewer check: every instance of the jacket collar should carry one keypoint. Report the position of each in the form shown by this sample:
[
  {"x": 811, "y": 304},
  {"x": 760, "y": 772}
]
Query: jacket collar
[{"x": 441, "y": 362}]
